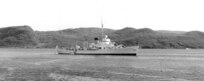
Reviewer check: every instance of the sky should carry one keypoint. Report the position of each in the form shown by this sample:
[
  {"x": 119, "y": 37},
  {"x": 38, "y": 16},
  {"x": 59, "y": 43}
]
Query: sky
[{"x": 48, "y": 15}]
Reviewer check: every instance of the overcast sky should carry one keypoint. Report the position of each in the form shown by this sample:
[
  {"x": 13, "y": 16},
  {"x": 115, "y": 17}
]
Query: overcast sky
[{"x": 43, "y": 15}]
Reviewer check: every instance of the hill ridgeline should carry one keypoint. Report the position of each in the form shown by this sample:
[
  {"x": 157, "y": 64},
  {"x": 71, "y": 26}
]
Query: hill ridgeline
[{"x": 24, "y": 36}]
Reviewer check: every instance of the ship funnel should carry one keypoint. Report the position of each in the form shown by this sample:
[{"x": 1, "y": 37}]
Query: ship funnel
[{"x": 96, "y": 40}]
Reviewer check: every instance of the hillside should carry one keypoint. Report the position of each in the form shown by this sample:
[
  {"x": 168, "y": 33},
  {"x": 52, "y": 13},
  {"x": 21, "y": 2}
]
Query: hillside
[
  {"x": 69, "y": 37},
  {"x": 145, "y": 37},
  {"x": 17, "y": 36},
  {"x": 148, "y": 38},
  {"x": 24, "y": 36}
]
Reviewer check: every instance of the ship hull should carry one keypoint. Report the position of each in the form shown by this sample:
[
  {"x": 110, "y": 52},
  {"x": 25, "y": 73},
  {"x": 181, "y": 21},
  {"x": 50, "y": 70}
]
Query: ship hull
[
  {"x": 118, "y": 51},
  {"x": 64, "y": 52}
]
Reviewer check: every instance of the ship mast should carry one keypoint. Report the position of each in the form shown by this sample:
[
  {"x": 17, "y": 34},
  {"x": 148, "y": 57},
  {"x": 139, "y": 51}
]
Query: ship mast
[{"x": 102, "y": 28}]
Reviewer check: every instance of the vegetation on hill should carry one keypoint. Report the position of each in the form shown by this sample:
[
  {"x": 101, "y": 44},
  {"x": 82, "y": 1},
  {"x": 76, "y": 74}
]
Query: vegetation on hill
[
  {"x": 69, "y": 37},
  {"x": 24, "y": 36},
  {"x": 17, "y": 36},
  {"x": 148, "y": 38}
]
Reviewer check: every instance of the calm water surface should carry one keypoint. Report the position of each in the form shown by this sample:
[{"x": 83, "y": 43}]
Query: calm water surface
[{"x": 148, "y": 65}]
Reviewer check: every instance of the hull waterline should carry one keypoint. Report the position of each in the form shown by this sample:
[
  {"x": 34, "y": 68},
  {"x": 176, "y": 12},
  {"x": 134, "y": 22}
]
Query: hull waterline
[{"x": 119, "y": 51}]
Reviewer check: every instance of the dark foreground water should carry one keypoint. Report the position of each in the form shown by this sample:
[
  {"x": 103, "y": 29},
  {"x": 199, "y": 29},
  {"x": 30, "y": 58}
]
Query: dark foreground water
[{"x": 149, "y": 65}]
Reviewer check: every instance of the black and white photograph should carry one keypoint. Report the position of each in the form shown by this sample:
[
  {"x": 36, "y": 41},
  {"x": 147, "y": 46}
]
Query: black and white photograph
[{"x": 101, "y": 40}]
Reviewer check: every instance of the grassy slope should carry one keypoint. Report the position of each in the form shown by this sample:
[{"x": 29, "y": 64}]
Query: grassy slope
[
  {"x": 24, "y": 36},
  {"x": 17, "y": 36},
  {"x": 69, "y": 37},
  {"x": 148, "y": 38}
]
